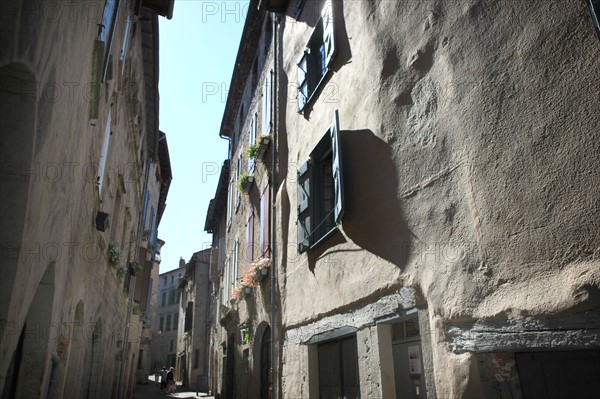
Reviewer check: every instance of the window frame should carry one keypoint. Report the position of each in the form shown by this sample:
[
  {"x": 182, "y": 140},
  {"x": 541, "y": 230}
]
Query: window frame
[
  {"x": 310, "y": 190},
  {"x": 314, "y": 65}
]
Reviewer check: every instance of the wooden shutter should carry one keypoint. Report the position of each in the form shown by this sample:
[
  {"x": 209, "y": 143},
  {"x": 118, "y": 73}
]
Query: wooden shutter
[
  {"x": 304, "y": 208},
  {"x": 266, "y": 117},
  {"x": 250, "y": 238},
  {"x": 338, "y": 180},
  {"x": 265, "y": 220},
  {"x": 594, "y": 8},
  {"x": 328, "y": 32},
  {"x": 303, "y": 81}
]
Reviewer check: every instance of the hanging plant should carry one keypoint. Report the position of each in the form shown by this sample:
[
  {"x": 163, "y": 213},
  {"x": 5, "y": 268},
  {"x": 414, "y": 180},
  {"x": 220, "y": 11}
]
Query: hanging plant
[
  {"x": 245, "y": 182},
  {"x": 115, "y": 254},
  {"x": 252, "y": 151}
]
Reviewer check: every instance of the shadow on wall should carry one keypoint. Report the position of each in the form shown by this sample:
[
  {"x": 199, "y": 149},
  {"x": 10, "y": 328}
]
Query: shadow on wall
[{"x": 373, "y": 217}]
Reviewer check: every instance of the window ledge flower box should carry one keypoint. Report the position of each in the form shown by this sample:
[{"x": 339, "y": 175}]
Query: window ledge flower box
[
  {"x": 245, "y": 182},
  {"x": 265, "y": 141}
]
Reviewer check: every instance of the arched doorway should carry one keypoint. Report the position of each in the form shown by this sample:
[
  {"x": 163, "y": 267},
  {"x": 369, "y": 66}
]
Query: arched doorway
[
  {"x": 26, "y": 377},
  {"x": 265, "y": 363},
  {"x": 92, "y": 365}
]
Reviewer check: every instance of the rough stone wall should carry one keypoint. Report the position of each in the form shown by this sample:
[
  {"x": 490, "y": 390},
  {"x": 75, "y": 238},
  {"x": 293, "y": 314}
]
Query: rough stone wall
[
  {"x": 469, "y": 143},
  {"x": 256, "y": 307},
  {"x": 59, "y": 241}
]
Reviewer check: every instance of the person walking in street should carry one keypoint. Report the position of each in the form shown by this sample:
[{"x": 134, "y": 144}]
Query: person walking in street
[
  {"x": 157, "y": 377},
  {"x": 163, "y": 378},
  {"x": 171, "y": 381}
]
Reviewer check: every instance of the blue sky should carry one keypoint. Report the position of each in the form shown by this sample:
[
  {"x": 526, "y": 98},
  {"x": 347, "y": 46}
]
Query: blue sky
[{"x": 197, "y": 54}]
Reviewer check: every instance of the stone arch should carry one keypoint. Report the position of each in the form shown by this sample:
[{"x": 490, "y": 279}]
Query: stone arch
[
  {"x": 18, "y": 105},
  {"x": 27, "y": 376},
  {"x": 91, "y": 386},
  {"x": 262, "y": 359}
]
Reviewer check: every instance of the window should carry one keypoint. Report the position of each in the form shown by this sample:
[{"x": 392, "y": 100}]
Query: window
[
  {"x": 163, "y": 299},
  {"x": 172, "y": 279},
  {"x": 189, "y": 316},
  {"x": 171, "y": 359},
  {"x": 229, "y": 202},
  {"x": 250, "y": 237},
  {"x": 104, "y": 152},
  {"x": 236, "y": 246},
  {"x": 106, "y": 32},
  {"x": 125, "y": 44},
  {"x": 146, "y": 209},
  {"x": 266, "y": 106},
  {"x": 175, "y": 321},
  {"x": 151, "y": 225},
  {"x": 265, "y": 212},
  {"x": 316, "y": 59},
  {"x": 252, "y": 140},
  {"x": 168, "y": 326},
  {"x": 162, "y": 323},
  {"x": 594, "y": 7},
  {"x": 226, "y": 282},
  {"x": 338, "y": 369},
  {"x": 238, "y": 173},
  {"x": 115, "y": 218},
  {"x": 320, "y": 190},
  {"x": 171, "y": 296},
  {"x": 171, "y": 346}
]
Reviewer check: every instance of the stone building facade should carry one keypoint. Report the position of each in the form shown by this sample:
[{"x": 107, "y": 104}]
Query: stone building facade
[
  {"x": 435, "y": 186},
  {"x": 166, "y": 319},
  {"x": 80, "y": 173},
  {"x": 195, "y": 319},
  {"x": 239, "y": 218}
]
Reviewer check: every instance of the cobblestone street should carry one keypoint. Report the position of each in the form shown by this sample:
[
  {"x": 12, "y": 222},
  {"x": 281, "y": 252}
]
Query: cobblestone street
[{"x": 151, "y": 390}]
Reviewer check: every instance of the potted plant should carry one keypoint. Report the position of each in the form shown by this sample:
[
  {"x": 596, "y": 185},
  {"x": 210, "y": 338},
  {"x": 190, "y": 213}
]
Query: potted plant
[
  {"x": 185, "y": 337},
  {"x": 114, "y": 254},
  {"x": 246, "y": 331},
  {"x": 245, "y": 182},
  {"x": 253, "y": 150},
  {"x": 264, "y": 142},
  {"x": 260, "y": 268}
]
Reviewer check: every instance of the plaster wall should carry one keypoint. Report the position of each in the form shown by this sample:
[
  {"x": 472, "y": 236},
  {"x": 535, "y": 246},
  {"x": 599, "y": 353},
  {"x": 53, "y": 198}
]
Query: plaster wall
[{"x": 469, "y": 137}]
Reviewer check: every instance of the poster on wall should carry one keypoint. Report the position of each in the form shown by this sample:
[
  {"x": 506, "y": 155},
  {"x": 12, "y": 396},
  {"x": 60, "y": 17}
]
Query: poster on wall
[{"x": 414, "y": 359}]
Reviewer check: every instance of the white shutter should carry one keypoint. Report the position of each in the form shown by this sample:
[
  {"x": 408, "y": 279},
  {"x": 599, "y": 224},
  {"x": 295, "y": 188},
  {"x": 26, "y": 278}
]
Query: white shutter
[
  {"x": 104, "y": 153},
  {"x": 302, "y": 81},
  {"x": 338, "y": 182},
  {"x": 328, "y": 32},
  {"x": 266, "y": 118}
]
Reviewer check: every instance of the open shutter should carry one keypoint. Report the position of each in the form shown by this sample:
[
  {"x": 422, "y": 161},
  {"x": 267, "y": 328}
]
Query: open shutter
[
  {"x": 302, "y": 81},
  {"x": 266, "y": 117},
  {"x": 252, "y": 140},
  {"x": 304, "y": 208},
  {"x": 338, "y": 182},
  {"x": 265, "y": 220},
  {"x": 250, "y": 238},
  {"x": 328, "y": 35},
  {"x": 594, "y": 8}
]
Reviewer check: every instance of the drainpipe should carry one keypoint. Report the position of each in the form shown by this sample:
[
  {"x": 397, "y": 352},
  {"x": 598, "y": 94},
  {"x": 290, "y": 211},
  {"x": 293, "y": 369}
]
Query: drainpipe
[{"x": 274, "y": 111}]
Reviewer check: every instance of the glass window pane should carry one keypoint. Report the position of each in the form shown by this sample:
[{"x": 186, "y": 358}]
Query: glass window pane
[
  {"x": 398, "y": 331},
  {"x": 412, "y": 328}
]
